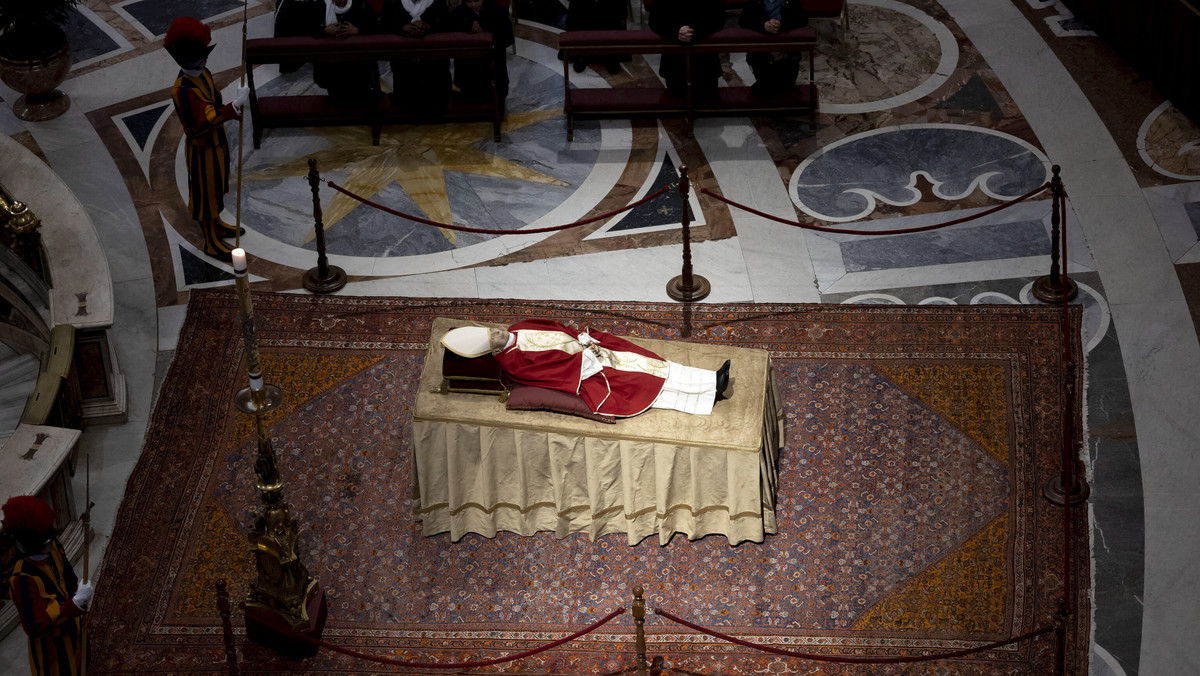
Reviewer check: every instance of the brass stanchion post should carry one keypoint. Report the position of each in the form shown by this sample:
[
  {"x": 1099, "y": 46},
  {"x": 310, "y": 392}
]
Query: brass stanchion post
[
  {"x": 324, "y": 278},
  {"x": 639, "y": 621},
  {"x": 1070, "y": 486},
  {"x": 687, "y": 288},
  {"x": 283, "y": 597},
  {"x": 226, "y": 628},
  {"x": 1060, "y": 644},
  {"x": 1051, "y": 288}
]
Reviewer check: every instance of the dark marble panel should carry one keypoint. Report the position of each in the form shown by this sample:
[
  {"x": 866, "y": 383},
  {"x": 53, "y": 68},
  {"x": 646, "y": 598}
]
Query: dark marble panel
[
  {"x": 1118, "y": 539},
  {"x": 974, "y": 95},
  {"x": 666, "y": 210},
  {"x": 162, "y": 362},
  {"x": 836, "y": 184},
  {"x": 157, "y": 16},
  {"x": 1193, "y": 212},
  {"x": 937, "y": 247},
  {"x": 141, "y": 124},
  {"x": 1073, "y": 24},
  {"x": 86, "y": 39},
  {"x": 197, "y": 270}
]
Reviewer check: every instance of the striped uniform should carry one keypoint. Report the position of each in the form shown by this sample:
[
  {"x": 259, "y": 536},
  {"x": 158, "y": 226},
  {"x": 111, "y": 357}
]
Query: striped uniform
[
  {"x": 42, "y": 592},
  {"x": 198, "y": 105}
]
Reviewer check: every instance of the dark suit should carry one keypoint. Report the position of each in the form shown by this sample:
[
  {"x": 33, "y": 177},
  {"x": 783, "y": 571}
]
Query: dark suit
[
  {"x": 773, "y": 75},
  {"x": 420, "y": 86},
  {"x": 597, "y": 15},
  {"x": 356, "y": 82},
  {"x": 472, "y": 76},
  {"x": 705, "y": 18}
]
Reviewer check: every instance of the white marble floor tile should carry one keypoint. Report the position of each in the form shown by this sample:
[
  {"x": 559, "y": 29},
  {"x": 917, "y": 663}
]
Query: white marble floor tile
[
  {"x": 776, "y": 255},
  {"x": 643, "y": 274},
  {"x": 1128, "y": 249},
  {"x": 519, "y": 280},
  {"x": 135, "y": 334},
  {"x": 170, "y": 320},
  {"x": 460, "y": 283}
]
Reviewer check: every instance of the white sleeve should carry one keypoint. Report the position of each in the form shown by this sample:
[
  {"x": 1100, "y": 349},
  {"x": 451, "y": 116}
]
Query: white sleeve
[{"x": 591, "y": 366}]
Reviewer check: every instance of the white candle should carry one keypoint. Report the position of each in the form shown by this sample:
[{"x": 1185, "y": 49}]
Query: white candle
[{"x": 239, "y": 260}]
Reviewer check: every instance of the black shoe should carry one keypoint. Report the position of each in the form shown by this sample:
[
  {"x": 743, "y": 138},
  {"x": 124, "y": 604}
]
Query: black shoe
[
  {"x": 614, "y": 67},
  {"x": 722, "y": 380},
  {"x": 226, "y": 230},
  {"x": 579, "y": 66}
]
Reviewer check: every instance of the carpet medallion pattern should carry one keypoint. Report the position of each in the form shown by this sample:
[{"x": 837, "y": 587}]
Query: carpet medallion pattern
[{"x": 909, "y": 508}]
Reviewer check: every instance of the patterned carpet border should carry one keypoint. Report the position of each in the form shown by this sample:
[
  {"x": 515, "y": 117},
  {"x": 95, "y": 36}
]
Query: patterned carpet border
[{"x": 939, "y": 544}]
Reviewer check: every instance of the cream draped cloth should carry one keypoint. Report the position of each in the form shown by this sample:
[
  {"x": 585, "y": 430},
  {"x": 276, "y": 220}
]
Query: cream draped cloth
[{"x": 479, "y": 468}]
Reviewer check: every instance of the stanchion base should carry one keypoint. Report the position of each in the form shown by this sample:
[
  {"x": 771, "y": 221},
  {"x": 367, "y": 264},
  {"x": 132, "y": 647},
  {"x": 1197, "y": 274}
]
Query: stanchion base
[
  {"x": 268, "y": 628},
  {"x": 334, "y": 280},
  {"x": 41, "y": 108},
  {"x": 244, "y": 399},
  {"x": 1048, "y": 292},
  {"x": 699, "y": 291},
  {"x": 1053, "y": 491}
]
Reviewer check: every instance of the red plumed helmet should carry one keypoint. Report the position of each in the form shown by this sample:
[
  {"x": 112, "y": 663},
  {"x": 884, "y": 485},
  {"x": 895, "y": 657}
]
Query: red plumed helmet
[
  {"x": 28, "y": 513},
  {"x": 187, "y": 41}
]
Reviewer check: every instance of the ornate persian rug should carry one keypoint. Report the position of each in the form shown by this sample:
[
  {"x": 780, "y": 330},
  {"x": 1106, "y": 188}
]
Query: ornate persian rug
[{"x": 910, "y": 512}]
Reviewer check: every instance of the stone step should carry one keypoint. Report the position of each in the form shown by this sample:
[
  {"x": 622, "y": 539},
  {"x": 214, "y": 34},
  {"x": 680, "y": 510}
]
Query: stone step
[{"x": 18, "y": 373}]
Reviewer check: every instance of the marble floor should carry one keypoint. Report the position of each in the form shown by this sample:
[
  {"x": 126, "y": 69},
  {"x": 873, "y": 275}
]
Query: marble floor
[{"x": 931, "y": 110}]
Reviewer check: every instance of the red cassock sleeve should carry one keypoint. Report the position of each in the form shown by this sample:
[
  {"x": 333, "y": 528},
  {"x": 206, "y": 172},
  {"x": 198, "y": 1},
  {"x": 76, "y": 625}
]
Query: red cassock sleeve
[{"x": 552, "y": 369}]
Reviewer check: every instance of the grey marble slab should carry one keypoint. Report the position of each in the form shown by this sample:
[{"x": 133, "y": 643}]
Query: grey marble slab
[
  {"x": 87, "y": 40},
  {"x": 156, "y": 16},
  {"x": 843, "y": 181},
  {"x": 985, "y": 242}
]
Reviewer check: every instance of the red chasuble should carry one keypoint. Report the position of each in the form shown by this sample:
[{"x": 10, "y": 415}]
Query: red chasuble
[{"x": 548, "y": 354}]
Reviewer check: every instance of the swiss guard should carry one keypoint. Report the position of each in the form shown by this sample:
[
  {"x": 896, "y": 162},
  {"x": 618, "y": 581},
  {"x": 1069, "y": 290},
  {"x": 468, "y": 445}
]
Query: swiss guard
[
  {"x": 206, "y": 148},
  {"x": 50, "y": 599}
]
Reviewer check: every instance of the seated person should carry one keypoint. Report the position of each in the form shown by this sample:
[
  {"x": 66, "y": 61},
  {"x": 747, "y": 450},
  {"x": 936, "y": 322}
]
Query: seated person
[
  {"x": 773, "y": 73},
  {"x": 295, "y": 18},
  {"x": 420, "y": 86},
  {"x": 687, "y": 22},
  {"x": 473, "y": 77},
  {"x": 356, "y": 82},
  {"x": 612, "y": 375},
  {"x": 597, "y": 15}
]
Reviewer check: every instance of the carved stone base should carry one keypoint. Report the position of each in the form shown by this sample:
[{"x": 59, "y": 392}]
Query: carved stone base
[
  {"x": 41, "y": 108},
  {"x": 1053, "y": 490},
  {"x": 1049, "y": 292},
  {"x": 267, "y": 627},
  {"x": 699, "y": 291},
  {"x": 332, "y": 281}
]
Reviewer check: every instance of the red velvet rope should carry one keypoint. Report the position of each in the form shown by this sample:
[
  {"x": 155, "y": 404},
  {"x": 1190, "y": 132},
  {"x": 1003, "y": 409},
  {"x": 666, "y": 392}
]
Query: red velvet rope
[
  {"x": 852, "y": 660},
  {"x": 459, "y": 665},
  {"x": 483, "y": 231},
  {"x": 904, "y": 231}
]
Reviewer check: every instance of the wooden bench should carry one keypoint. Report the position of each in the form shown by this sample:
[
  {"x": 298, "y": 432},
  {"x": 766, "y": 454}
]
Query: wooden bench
[
  {"x": 657, "y": 102},
  {"x": 816, "y": 9},
  {"x": 309, "y": 110}
]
